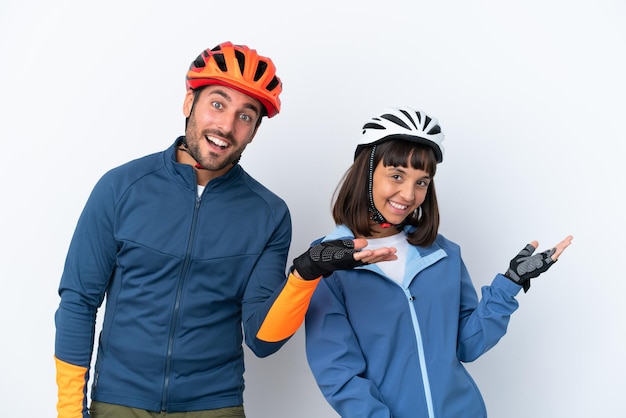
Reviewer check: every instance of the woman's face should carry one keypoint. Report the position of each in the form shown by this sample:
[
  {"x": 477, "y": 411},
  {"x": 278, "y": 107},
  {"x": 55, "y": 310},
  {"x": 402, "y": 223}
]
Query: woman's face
[{"x": 397, "y": 192}]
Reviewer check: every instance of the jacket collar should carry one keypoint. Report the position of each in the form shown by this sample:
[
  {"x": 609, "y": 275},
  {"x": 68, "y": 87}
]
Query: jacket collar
[{"x": 418, "y": 258}]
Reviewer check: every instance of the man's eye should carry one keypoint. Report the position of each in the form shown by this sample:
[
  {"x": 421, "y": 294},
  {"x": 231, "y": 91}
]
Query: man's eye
[
  {"x": 216, "y": 105},
  {"x": 246, "y": 118}
]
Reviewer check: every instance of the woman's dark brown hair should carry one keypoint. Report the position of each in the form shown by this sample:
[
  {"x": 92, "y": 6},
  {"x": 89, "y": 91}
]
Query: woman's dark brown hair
[{"x": 351, "y": 205}]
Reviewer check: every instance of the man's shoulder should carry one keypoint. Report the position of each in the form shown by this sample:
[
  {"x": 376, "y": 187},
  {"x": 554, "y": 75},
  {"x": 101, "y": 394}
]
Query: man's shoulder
[
  {"x": 261, "y": 191},
  {"x": 123, "y": 176},
  {"x": 138, "y": 166}
]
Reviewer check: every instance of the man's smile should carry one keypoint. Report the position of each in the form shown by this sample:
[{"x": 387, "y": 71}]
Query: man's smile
[{"x": 217, "y": 142}]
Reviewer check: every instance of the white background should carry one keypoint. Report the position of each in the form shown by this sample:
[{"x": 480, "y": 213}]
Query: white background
[{"x": 529, "y": 93}]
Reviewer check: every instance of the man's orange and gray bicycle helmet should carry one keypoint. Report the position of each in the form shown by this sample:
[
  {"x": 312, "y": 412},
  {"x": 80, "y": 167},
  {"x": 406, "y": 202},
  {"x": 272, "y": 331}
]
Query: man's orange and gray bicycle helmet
[{"x": 241, "y": 68}]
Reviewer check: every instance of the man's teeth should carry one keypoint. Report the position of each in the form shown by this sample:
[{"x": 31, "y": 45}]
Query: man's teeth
[{"x": 217, "y": 142}]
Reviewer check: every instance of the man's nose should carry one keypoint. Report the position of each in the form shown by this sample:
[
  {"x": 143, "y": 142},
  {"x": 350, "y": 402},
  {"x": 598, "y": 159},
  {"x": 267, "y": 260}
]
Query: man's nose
[{"x": 226, "y": 121}]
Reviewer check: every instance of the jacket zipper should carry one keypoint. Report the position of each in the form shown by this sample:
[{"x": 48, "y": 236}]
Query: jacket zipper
[
  {"x": 420, "y": 345},
  {"x": 179, "y": 290},
  {"x": 420, "y": 353},
  {"x": 418, "y": 334}
]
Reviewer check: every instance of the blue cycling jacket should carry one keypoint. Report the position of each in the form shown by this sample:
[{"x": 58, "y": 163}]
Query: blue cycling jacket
[
  {"x": 180, "y": 275},
  {"x": 379, "y": 349}
]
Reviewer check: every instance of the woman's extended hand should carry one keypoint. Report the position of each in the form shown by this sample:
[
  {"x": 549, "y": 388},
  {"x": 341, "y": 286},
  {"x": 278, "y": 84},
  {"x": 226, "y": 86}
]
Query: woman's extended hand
[
  {"x": 373, "y": 256},
  {"x": 525, "y": 266}
]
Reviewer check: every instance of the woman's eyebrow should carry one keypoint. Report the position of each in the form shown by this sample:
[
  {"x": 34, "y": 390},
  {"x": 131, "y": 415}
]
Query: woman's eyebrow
[{"x": 402, "y": 170}]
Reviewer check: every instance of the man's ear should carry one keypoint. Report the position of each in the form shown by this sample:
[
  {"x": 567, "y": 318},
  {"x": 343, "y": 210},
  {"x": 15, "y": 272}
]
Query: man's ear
[{"x": 188, "y": 103}]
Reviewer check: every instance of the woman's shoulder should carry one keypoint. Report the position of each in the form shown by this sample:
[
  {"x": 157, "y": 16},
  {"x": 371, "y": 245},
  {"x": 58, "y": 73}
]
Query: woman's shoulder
[{"x": 447, "y": 244}]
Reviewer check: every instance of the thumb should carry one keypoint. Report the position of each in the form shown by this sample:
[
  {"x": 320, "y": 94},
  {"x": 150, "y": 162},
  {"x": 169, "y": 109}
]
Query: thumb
[{"x": 359, "y": 243}]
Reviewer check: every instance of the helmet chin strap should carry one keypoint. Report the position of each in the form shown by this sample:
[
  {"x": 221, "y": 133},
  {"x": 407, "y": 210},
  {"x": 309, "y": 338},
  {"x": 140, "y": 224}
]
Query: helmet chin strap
[
  {"x": 380, "y": 220},
  {"x": 182, "y": 146},
  {"x": 376, "y": 216}
]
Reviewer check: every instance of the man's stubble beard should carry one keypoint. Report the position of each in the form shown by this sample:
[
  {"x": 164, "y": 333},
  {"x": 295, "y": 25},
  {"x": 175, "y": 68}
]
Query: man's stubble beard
[{"x": 212, "y": 164}]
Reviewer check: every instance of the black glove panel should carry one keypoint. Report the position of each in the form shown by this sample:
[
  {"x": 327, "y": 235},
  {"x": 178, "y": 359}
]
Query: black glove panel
[
  {"x": 526, "y": 266},
  {"x": 324, "y": 258}
]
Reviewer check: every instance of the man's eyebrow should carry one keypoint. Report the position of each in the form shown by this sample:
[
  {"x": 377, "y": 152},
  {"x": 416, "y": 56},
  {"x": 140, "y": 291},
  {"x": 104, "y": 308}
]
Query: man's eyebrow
[
  {"x": 253, "y": 108},
  {"x": 226, "y": 96}
]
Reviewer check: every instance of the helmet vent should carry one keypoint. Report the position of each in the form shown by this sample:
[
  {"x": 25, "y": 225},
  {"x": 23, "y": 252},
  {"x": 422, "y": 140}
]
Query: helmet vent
[
  {"x": 199, "y": 62},
  {"x": 273, "y": 84},
  {"x": 371, "y": 125},
  {"x": 410, "y": 117},
  {"x": 220, "y": 61},
  {"x": 241, "y": 59},
  {"x": 395, "y": 119},
  {"x": 435, "y": 130},
  {"x": 260, "y": 70}
]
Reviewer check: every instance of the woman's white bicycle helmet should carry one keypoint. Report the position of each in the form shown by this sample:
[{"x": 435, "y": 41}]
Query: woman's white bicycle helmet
[{"x": 403, "y": 123}]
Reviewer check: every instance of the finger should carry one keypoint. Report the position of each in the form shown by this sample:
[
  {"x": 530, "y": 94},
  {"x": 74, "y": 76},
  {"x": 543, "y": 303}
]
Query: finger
[
  {"x": 390, "y": 257},
  {"x": 363, "y": 255},
  {"x": 360, "y": 255},
  {"x": 380, "y": 258},
  {"x": 561, "y": 246},
  {"x": 374, "y": 256},
  {"x": 379, "y": 252},
  {"x": 528, "y": 249},
  {"x": 384, "y": 254},
  {"x": 359, "y": 243},
  {"x": 566, "y": 241}
]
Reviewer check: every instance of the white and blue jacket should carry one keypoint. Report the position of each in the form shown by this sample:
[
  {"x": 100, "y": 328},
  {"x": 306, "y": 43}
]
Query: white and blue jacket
[{"x": 378, "y": 349}]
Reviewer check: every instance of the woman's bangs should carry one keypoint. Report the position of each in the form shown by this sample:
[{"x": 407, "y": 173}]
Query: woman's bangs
[{"x": 420, "y": 157}]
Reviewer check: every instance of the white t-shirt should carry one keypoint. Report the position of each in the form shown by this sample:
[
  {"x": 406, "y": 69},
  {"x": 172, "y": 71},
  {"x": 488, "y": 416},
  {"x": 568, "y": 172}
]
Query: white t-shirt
[{"x": 392, "y": 269}]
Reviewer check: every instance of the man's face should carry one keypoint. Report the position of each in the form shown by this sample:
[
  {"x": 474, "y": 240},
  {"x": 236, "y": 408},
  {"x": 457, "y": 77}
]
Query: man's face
[{"x": 222, "y": 123}]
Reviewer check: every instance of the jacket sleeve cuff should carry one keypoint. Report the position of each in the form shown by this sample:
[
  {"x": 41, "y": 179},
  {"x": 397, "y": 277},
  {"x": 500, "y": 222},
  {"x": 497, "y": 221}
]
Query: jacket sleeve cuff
[
  {"x": 72, "y": 384},
  {"x": 506, "y": 284},
  {"x": 288, "y": 311}
]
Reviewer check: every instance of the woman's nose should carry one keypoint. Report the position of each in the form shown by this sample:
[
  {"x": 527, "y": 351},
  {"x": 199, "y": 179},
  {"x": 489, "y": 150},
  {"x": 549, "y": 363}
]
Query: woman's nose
[{"x": 407, "y": 193}]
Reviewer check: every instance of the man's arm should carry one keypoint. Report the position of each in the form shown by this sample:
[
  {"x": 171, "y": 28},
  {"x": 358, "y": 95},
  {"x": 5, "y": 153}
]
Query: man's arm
[
  {"x": 320, "y": 260},
  {"x": 88, "y": 266}
]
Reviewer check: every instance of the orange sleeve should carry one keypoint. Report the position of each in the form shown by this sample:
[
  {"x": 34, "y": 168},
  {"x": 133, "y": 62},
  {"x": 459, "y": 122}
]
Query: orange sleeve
[
  {"x": 71, "y": 383},
  {"x": 287, "y": 313}
]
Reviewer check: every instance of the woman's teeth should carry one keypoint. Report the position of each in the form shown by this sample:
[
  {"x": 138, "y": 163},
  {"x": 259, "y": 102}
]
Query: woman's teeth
[{"x": 398, "y": 206}]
